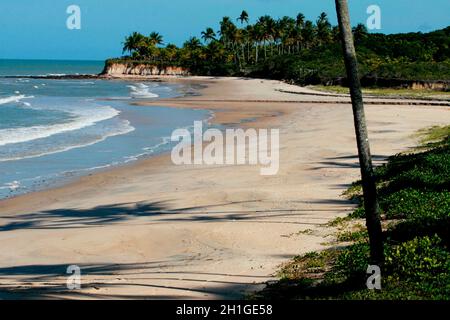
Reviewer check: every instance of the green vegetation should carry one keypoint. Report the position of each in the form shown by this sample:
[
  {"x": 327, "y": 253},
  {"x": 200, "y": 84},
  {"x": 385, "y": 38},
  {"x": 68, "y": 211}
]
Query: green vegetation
[
  {"x": 434, "y": 135},
  {"x": 352, "y": 236},
  {"x": 388, "y": 92},
  {"x": 415, "y": 202},
  {"x": 295, "y": 49}
]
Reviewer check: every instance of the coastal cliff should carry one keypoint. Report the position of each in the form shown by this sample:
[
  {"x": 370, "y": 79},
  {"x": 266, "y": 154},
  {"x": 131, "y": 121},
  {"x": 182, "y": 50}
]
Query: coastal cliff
[{"x": 118, "y": 69}]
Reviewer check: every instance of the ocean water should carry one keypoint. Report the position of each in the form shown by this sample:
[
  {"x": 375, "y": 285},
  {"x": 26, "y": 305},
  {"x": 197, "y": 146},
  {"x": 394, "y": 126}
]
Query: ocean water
[
  {"x": 49, "y": 67},
  {"x": 55, "y": 130}
]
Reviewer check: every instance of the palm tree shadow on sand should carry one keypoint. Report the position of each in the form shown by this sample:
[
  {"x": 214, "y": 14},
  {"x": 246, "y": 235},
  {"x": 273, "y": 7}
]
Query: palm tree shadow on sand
[
  {"x": 49, "y": 282},
  {"x": 83, "y": 218},
  {"x": 107, "y": 280},
  {"x": 159, "y": 212}
]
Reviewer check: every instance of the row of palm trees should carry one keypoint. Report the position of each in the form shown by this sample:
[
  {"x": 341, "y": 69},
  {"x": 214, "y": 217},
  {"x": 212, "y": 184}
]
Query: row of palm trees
[
  {"x": 241, "y": 42},
  {"x": 140, "y": 45},
  {"x": 285, "y": 35}
]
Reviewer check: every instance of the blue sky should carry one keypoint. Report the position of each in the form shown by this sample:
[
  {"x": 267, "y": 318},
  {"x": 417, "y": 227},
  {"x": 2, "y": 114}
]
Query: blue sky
[{"x": 36, "y": 29}]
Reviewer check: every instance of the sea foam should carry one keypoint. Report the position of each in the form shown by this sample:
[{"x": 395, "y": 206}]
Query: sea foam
[
  {"x": 141, "y": 91},
  {"x": 11, "y": 99},
  {"x": 81, "y": 118}
]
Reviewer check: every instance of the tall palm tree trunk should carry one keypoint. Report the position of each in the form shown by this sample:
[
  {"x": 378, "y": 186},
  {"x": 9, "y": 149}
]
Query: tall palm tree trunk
[
  {"x": 257, "y": 53},
  {"x": 368, "y": 179},
  {"x": 265, "y": 50}
]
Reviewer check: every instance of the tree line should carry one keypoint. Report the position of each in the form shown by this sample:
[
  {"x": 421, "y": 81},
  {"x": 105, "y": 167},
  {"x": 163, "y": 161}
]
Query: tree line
[
  {"x": 243, "y": 44},
  {"x": 309, "y": 48}
]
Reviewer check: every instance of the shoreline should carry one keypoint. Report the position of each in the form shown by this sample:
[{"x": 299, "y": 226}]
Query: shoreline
[
  {"x": 217, "y": 117},
  {"x": 304, "y": 91},
  {"x": 67, "y": 172},
  {"x": 153, "y": 230}
]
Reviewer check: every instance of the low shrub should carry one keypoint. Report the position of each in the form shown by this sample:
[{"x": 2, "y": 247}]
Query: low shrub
[
  {"x": 414, "y": 193},
  {"x": 412, "y": 203}
]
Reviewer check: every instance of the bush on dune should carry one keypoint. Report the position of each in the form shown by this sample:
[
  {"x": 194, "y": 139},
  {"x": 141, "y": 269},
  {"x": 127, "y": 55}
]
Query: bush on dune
[{"x": 415, "y": 201}]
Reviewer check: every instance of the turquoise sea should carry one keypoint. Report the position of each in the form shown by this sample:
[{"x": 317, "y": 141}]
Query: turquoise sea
[{"x": 55, "y": 130}]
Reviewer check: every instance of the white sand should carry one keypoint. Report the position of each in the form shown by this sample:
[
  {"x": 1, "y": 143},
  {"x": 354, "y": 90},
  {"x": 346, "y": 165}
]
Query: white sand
[{"x": 158, "y": 231}]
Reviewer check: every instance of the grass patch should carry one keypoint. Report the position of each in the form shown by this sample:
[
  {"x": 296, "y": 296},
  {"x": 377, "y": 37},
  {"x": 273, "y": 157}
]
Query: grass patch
[
  {"x": 352, "y": 236},
  {"x": 434, "y": 135},
  {"x": 339, "y": 221},
  {"x": 312, "y": 265},
  {"x": 354, "y": 192},
  {"x": 307, "y": 231},
  {"x": 387, "y": 92}
]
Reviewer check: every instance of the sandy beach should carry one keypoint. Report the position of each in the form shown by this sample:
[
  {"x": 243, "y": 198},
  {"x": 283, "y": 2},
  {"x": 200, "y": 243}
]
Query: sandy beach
[{"x": 154, "y": 230}]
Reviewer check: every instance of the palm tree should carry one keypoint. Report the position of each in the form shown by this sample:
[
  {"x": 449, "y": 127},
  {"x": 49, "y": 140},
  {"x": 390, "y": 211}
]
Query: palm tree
[
  {"x": 208, "y": 35},
  {"x": 298, "y": 32},
  {"x": 192, "y": 53},
  {"x": 285, "y": 31},
  {"x": 308, "y": 34},
  {"x": 225, "y": 28},
  {"x": 323, "y": 28},
  {"x": 368, "y": 179},
  {"x": 297, "y": 38},
  {"x": 193, "y": 44},
  {"x": 245, "y": 43},
  {"x": 155, "y": 39},
  {"x": 335, "y": 34},
  {"x": 268, "y": 29},
  {"x": 300, "y": 20},
  {"x": 255, "y": 38},
  {"x": 171, "y": 51},
  {"x": 238, "y": 39},
  {"x": 215, "y": 51},
  {"x": 230, "y": 36},
  {"x": 272, "y": 33},
  {"x": 244, "y": 34},
  {"x": 252, "y": 35},
  {"x": 360, "y": 32},
  {"x": 133, "y": 42},
  {"x": 243, "y": 17}
]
